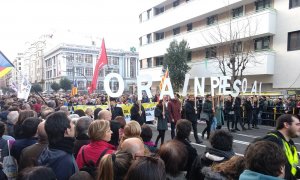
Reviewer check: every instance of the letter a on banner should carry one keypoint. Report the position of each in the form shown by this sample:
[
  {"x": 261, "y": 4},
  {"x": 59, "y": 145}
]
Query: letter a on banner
[{"x": 169, "y": 92}]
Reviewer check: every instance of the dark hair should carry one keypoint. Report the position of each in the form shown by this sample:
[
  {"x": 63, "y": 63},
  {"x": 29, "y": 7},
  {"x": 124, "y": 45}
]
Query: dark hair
[
  {"x": 265, "y": 157},
  {"x": 121, "y": 121},
  {"x": 288, "y": 118},
  {"x": 55, "y": 126},
  {"x": 96, "y": 111},
  {"x": 146, "y": 133},
  {"x": 183, "y": 128},
  {"x": 37, "y": 173},
  {"x": 2, "y": 128},
  {"x": 147, "y": 168},
  {"x": 80, "y": 112},
  {"x": 29, "y": 126},
  {"x": 80, "y": 175},
  {"x": 175, "y": 156},
  {"x": 221, "y": 140}
]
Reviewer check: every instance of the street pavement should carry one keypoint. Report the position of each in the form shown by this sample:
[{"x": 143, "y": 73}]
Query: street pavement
[{"x": 240, "y": 142}]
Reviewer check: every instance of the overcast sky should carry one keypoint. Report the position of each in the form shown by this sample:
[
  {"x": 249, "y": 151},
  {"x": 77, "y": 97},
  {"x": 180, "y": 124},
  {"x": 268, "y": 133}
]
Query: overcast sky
[{"x": 24, "y": 20}]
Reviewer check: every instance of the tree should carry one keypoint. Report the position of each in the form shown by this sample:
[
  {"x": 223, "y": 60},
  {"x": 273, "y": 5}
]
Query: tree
[
  {"x": 55, "y": 86},
  {"x": 65, "y": 84},
  {"x": 176, "y": 60},
  {"x": 36, "y": 87},
  {"x": 231, "y": 44}
]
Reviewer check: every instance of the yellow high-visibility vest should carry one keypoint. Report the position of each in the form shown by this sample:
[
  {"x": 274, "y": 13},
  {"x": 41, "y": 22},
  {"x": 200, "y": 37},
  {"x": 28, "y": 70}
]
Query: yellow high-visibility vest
[{"x": 291, "y": 154}]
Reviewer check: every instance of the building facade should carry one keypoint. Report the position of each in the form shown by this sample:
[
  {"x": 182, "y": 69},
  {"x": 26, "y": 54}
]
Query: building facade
[
  {"x": 264, "y": 30},
  {"x": 77, "y": 62}
]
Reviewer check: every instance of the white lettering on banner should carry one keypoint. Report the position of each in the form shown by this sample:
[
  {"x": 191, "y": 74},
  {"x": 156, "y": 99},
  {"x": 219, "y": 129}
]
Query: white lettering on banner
[
  {"x": 146, "y": 87},
  {"x": 236, "y": 88},
  {"x": 244, "y": 85},
  {"x": 214, "y": 85},
  {"x": 186, "y": 83},
  {"x": 221, "y": 82},
  {"x": 224, "y": 85},
  {"x": 198, "y": 86},
  {"x": 254, "y": 87},
  {"x": 167, "y": 83},
  {"x": 107, "y": 88}
]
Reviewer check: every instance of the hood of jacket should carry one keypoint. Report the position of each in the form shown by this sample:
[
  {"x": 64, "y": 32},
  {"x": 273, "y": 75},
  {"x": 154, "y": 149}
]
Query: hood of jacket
[
  {"x": 51, "y": 156},
  {"x": 211, "y": 175},
  {"x": 251, "y": 175},
  {"x": 218, "y": 155}
]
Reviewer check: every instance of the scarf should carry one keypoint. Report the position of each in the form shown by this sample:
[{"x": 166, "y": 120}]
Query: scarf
[{"x": 66, "y": 144}]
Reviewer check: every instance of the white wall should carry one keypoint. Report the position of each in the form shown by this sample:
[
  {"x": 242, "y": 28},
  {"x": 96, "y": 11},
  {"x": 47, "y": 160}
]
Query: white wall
[{"x": 287, "y": 62}]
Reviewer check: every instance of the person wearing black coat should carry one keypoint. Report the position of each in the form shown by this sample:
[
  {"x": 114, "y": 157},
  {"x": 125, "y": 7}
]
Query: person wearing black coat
[
  {"x": 238, "y": 113},
  {"x": 229, "y": 113},
  {"x": 115, "y": 110},
  {"x": 249, "y": 111},
  {"x": 135, "y": 114},
  {"x": 190, "y": 115},
  {"x": 209, "y": 110}
]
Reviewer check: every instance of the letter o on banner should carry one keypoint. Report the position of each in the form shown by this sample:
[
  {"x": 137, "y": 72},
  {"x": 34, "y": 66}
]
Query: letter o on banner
[
  {"x": 244, "y": 85},
  {"x": 107, "y": 88}
]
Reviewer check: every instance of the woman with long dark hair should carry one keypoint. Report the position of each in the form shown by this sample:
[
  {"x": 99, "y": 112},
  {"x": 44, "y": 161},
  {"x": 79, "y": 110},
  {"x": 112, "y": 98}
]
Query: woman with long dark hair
[{"x": 162, "y": 122}]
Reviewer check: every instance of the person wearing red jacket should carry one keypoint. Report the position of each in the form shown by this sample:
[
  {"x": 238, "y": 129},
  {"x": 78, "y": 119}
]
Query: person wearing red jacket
[
  {"x": 100, "y": 134},
  {"x": 174, "y": 109}
]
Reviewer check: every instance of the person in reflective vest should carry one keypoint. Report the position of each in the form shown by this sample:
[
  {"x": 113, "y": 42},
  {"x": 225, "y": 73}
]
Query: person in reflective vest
[{"x": 287, "y": 127}]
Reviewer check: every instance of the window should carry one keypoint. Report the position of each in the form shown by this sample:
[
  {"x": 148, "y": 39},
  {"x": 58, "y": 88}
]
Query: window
[
  {"x": 176, "y": 31},
  {"x": 175, "y": 3},
  {"x": 189, "y": 56},
  {"x": 19, "y": 68},
  {"x": 211, "y": 52},
  {"x": 19, "y": 63},
  {"x": 148, "y": 13},
  {"x": 132, "y": 67},
  {"x": 80, "y": 84},
  {"x": 148, "y": 38},
  {"x": 54, "y": 73},
  {"x": 159, "y": 36},
  {"x": 236, "y": 47},
  {"x": 294, "y": 41},
  {"x": 115, "y": 61},
  {"x": 262, "y": 4},
  {"x": 69, "y": 72},
  {"x": 159, "y": 10},
  {"x": 141, "y": 64},
  {"x": 159, "y": 61},
  {"x": 79, "y": 71},
  {"x": 149, "y": 63},
  {"x": 294, "y": 3},
  {"x": 101, "y": 73},
  {"x": 237, "y": 12},
  {"x": 88, "y": 58},
  {"x": 140, "y": 39},
  {"x": 88, "y": 72},
  {"x": 212, "y": 20},
  {"x": 189, "y": 26},
  {"x": 262, "y": 43},
  {"x": 79, "y": 58}
]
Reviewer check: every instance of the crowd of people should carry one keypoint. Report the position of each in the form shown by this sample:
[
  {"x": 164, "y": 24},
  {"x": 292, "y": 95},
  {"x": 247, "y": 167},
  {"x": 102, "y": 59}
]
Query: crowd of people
[{"x": 45, "y": 138}]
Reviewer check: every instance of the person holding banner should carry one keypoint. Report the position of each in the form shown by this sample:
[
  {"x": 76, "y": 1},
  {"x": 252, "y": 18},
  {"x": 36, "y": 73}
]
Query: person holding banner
[
  {"x": 190, "y": 115},
  {"x": 137, "y": 112},
  {"x": 229, "y": 113},
  {"x": 115, "y": 110},
  {"x": 174, "y": 109},
  {"x": 162, "y": 122},
  {"x": 209, "y": 110},
  {"x": 238, "y": 113}
]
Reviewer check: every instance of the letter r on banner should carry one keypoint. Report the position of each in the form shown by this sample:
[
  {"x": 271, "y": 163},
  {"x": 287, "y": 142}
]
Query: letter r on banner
[{"x": 144, "y": 78}]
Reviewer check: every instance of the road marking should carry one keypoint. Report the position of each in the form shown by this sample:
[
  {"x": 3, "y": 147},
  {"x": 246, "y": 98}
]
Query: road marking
[{"x": 246, "y": 135}]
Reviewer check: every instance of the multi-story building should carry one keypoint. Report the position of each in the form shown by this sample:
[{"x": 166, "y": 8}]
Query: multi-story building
[
  {"x": 268, "y": 29},
  {"x": 77, "y": 62}
]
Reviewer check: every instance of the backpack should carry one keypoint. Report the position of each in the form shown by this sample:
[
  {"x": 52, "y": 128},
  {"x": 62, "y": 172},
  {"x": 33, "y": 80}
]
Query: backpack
[{"x": 90, "y": 166}]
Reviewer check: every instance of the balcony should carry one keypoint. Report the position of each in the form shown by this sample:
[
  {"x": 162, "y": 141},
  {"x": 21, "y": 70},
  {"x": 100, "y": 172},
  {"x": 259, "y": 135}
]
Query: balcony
[
  {"x": 261, "y": 64},
  {"x": 261, "y": 23}
]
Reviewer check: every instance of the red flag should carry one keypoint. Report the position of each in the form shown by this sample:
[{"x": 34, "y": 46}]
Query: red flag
[{"x": 102, "y": 60}]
